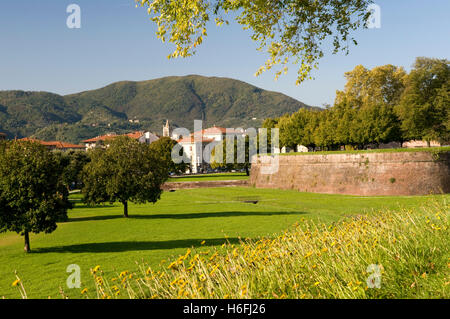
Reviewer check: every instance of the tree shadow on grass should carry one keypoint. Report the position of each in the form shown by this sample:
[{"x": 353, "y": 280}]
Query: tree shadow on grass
[
  {"x": 183, "y": 216},
  {"x": 211, "y": 177},
  {"x": 124, "y": 246},
  {"x": 82, "y": 205}
]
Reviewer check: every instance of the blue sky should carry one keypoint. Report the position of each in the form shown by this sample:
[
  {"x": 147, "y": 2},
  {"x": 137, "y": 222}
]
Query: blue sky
[{"x": 116, "y": 42}]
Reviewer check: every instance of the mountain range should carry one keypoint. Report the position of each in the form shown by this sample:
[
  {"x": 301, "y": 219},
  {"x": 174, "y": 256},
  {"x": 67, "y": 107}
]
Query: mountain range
[{"x": 126, "y": 106}]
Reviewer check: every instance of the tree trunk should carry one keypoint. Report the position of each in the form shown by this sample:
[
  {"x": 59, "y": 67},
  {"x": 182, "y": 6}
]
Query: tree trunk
[
  {"x": 428, "y": 144},
  {"x": 125, "y": 209},
  {"x": 27, "y": 247},
  {"x": 247, "y": 171}
]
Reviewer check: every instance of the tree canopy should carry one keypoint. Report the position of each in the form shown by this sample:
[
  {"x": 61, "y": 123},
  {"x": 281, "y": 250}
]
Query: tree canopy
[
  {"x": 380, "y": 105},
  {"x": 73, "y": 163},
  {"x": 33, "y": 196},
  {"x": 163, "y": 147},
  {"x": 234, "y": 152},
  {"x": 424, "y": 107},
  {"x": 290, "y": 31},
  {"x": 125, "y": 171}
]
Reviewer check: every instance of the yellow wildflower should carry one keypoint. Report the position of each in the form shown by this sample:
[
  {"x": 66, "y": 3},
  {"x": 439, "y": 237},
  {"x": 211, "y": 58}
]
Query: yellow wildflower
[
  {"x": 243, "y": 290},
  {"x": 172, "y": 265}
]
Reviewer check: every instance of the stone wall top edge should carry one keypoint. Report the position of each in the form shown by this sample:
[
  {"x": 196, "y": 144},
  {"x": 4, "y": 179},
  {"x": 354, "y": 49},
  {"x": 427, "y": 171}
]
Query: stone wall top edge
[{"x": 379, "y": 157}]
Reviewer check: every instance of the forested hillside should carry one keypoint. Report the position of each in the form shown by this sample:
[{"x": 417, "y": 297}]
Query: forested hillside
[{"x": 125, "y": 106}]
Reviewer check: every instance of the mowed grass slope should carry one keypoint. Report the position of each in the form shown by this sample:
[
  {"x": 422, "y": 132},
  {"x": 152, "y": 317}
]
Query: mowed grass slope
[
  {"x": 210, "y": 177},
  {"x": 155, "y": 233}
]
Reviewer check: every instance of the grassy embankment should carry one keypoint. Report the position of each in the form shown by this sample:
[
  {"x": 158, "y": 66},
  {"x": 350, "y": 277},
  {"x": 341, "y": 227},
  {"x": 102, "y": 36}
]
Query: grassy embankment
[
  {"x": 203, "y": 220},
  {"x": 390, "y": 254}
]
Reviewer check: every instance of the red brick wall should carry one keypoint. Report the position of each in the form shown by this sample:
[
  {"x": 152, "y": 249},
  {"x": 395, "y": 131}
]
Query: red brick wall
[{"x": 402, "y": 173}]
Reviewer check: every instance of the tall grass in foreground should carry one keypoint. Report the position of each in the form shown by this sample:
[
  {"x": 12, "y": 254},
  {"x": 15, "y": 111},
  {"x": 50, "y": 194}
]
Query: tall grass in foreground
[{"x": 408, "y": 251}]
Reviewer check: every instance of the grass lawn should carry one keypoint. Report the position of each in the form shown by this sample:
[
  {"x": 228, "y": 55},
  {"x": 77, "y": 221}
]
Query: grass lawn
[
  {"x": 153, "y": 233},
  {"x": 210, "y": 177}
]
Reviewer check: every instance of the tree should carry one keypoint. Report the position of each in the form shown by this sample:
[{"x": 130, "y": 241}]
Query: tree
[
  {"x": 381, "y": 105},
  {"x": 375, "y": 124},
  {"x": 378, "y": 86},
  {"x": 442, "y": 103},
  {"x": 291, "y": 31},
  {"x": 163, "y": 147},
  {"x": 364, "y": 110},
  {"x": 300, "y": 121},
  {"x": 270, "y": 124},
  {"x": 343, "y": 117},
  {"x": 32, "y": 195},
  {"x": 126, "y": 171},
  {"x": 287, "y": 131},
  {"x": 234, "y": 153},
  {"x": 325, "y": 130},
  {"x": 424, "y": 104},
  {"x": 293, "y": 128},
  {"x": 311, "y": 128},
  {"x": 73, "y": 163}
]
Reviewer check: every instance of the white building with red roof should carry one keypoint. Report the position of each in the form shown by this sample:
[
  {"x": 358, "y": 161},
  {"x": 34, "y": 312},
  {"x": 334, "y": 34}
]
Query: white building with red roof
[
  {"x": 199, "y": 145},
  {"x": 55, "y": 145},
  {"x": 140, "y": 136}
]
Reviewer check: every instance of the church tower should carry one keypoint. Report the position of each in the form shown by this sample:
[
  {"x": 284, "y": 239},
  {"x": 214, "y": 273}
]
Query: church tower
[{"x": 166, "y": 129}]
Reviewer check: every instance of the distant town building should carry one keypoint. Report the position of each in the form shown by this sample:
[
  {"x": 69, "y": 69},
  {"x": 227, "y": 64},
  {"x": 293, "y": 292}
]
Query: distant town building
[
  {"x": 193, "y": 148},
  {"x": 285, "y": 149},
  {"x": 166, "y": 129},
  {"x": 414, "y": 144},
  {"x": 55, "y": 145},
  {"x": 196, "y": 143},
  {"x": 102, "y": 141},
  {"x": 302, "y": 149},
  {"x": 407, "y": 144}
]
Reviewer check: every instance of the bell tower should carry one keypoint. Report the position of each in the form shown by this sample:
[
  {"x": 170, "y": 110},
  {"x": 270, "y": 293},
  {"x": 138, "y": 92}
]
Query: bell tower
[{"x": 166, "y": 129}]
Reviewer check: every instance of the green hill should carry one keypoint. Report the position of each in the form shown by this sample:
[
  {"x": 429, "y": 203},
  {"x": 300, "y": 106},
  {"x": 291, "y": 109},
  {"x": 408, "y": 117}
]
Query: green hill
[{"x": 125, "y": 106}]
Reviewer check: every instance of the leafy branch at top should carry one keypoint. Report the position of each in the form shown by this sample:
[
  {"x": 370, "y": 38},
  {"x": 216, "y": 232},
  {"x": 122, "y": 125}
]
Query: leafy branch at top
[{"x": 290, "y": 31}]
